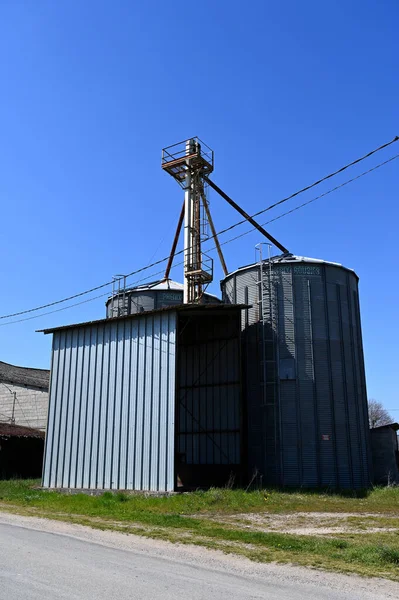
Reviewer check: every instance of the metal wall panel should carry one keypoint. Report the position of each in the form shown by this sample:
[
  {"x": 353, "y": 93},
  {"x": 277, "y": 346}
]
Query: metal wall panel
[
  {"x": 112, "y": 406},
  {"x": 209, "y": 398}
]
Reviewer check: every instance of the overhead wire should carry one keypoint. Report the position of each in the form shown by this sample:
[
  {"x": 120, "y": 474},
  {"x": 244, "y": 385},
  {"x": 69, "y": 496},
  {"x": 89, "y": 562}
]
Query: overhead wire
[
  {"x": 214, "y": 247},
  {"x": 314, "y": 184},
  {"x": 162, "y": 260},
  {"x": 288, "y": 212}
]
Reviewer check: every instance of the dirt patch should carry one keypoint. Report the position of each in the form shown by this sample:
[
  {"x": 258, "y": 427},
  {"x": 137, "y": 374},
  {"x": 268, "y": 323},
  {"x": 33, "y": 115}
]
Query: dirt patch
[{"x": 313, "y": 523}]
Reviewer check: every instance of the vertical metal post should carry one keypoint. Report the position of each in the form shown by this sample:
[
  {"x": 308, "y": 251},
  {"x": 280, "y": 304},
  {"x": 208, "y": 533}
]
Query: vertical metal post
[
  {"x": 197, "y": 259},
  {"x": 113, "y": 296},
  {"x": 13, "y": 408},
  {"x": 119, "y": 295},
  {"x": 188, "y": 197},
  {"x": 124, "y": 295}
]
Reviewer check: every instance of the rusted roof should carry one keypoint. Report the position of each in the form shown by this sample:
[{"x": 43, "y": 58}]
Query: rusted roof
[
  {"x": 24, "y": 376},
  {"x": 7, "y": 430}
]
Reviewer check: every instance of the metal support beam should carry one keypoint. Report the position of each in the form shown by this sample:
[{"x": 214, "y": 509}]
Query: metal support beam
[
  {"x": 246, "y": 216},
  {"x": 214, "y": 234},
  {"x": 175, "y": 242}
]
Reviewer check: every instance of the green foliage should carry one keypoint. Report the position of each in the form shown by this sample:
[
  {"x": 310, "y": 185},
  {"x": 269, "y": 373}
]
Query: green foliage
[
  {"x": 389, "y": 555},
  {"x": 201, "y": 518}
]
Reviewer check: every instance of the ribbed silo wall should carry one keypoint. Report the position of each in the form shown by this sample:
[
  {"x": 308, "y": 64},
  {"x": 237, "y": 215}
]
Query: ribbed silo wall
[
  {"x": 138, "y": 301},
  {"x": 304, "y": 374}
]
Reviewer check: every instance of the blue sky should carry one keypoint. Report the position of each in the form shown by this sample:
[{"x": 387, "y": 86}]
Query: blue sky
[{"x": 284, "y": 92}]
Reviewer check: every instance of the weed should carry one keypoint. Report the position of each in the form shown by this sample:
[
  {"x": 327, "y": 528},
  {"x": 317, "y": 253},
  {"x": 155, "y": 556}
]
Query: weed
[{"x": 389, "y": 555}]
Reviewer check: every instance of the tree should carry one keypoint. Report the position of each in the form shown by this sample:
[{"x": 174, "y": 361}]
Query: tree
[{"x": 378, "y": 415}]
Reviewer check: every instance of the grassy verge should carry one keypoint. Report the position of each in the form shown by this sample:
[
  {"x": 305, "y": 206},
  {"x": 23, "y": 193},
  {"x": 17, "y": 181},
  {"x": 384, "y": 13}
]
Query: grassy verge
[{"x": 210, "y": 519}]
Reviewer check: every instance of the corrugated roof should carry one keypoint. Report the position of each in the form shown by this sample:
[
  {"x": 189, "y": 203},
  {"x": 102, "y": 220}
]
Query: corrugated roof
[
  {"x": 195, "y": 308},
  {"x": 24, "y": 375},
  {"x": 7, "y": 430}
]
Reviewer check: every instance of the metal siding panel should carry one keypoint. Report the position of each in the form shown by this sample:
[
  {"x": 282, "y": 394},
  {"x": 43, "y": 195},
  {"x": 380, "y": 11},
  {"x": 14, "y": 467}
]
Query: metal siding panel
[
  {"x": 133, "y": 383},
  {"x": 49, "y": 452},
  {"x": 83, "y": 407},
  {"x": 88, "y": 436},
  {"x": 155, "y": 401},
  {"x": 73, "y": 405},
  {"x": 170, "y": 431},
  {"x": 58, "y": 383},
  {"x": 104, "y": 410},
  {"x": 121, "y": 466},
  {"x": 110, "y": 409},
  {"x": 117, "y": 402},
  {"x": 73, "y": 399},
  {"x": 100, "y": 480},
  {"x": 140, "y": 390},
  {"x": 147, "y": 401},
  {"x": 97, "y": 397},
  {"x": 63, "y": 454}
]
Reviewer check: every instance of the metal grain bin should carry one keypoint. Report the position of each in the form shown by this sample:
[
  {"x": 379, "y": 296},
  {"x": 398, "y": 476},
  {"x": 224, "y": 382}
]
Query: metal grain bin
[
  {"x": 303, "y": 372},
  {"x": 152, "y": 296}
]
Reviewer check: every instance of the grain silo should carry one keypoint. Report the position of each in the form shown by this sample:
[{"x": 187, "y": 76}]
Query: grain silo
[
  {"x": 303, "y": 372},
  {"x": 151, "y": 296}
]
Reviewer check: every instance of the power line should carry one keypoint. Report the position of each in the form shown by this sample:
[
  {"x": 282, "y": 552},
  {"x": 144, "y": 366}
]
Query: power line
[
  {"x": 50, "y": 312},
  {"x": 215, "y": 248},
  {"x": 137, "y": 271},
  {"x": 288, "y": 212},
  {"x": 24, "y": 312},
  {"x": 308, "y": 187}
]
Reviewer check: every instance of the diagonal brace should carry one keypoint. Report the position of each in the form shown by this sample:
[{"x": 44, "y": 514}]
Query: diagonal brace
[
  {"x": 175, "y": 242},
  {"x": 246, "y": 215}
]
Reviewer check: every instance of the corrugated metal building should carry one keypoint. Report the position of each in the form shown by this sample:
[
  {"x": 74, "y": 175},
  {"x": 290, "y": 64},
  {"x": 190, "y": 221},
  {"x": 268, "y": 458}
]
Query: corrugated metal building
[
  {"x": 148, "y": 401},
  {"x": 385, "y": 452},
  {"x": 304, "y": 372}
]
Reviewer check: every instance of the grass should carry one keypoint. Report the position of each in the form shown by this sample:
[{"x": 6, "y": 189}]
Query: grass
[{"x": 200, "y": 518}]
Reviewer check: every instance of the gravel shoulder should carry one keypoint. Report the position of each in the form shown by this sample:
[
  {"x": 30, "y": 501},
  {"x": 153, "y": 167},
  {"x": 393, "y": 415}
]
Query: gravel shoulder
[{"x": 334, "y": 585}]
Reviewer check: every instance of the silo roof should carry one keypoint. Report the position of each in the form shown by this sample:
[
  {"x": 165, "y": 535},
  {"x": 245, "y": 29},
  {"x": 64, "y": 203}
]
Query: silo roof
[
  {"x": 161, "y": 284},
  {"x": 293, "y": 258}
]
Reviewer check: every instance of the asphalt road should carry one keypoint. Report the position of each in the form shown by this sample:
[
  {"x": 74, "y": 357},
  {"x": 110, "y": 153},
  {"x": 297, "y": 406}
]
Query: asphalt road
[{"x": 50, "y": 560}]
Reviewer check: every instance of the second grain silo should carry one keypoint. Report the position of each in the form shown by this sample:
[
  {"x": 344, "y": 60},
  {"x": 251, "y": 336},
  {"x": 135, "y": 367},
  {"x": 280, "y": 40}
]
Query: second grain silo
[{"x": 303, "y": 372}]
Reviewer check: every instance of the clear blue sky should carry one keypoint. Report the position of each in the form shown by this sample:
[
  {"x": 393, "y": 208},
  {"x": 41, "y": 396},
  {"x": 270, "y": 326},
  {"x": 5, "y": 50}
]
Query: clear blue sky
[{"x": 284, "y": 92}]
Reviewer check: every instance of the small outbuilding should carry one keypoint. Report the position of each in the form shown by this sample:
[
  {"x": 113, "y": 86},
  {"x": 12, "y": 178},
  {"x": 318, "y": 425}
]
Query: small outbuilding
[
  {"x": 21, "y": 452},
  {"x": 147, "y": 401},
  {"x": 24, "y": 395},
  {"x": 385, "y": 452}
]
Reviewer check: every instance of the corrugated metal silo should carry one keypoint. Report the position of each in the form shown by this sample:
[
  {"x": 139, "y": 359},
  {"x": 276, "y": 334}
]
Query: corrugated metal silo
[
  {"x": 151, "y": 296},
  {"x": 304, "y": 372}
]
